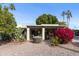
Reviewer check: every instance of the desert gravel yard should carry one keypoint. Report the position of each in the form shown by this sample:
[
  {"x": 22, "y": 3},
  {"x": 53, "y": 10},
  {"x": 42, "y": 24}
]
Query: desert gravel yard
[{"x": 41, "y": 49}]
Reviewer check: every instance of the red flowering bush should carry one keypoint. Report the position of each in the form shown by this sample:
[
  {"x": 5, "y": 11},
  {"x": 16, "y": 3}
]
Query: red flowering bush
[{"x": 65, "y": 34}]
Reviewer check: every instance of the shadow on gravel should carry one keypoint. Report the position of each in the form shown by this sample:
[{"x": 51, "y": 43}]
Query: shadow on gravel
[
  {"x": 47, "y": 42},
  {"x": 4, "y": 42},
  {"x": 76, "y": 44},
  {"x": 69, "y": 49}
]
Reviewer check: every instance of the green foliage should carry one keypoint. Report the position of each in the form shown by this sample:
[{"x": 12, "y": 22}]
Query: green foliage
[
  {"x": 46, "y": 19},
  {"x": 62, "y": 23},
  {"x": 18, "y": 35},
  {"x": 7, "y": 20},
  {"x": 55, "y": 41},
  {"x": 12, "y": 7},
  {"x": 5, "y": 37}
]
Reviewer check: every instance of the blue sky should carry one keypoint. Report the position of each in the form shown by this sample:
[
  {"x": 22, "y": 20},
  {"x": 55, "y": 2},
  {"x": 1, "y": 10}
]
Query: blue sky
[{"x": 26, "y": 13}]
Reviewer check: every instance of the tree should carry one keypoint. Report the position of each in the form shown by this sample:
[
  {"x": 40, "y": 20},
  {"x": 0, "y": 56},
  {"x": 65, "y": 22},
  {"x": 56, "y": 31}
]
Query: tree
[
  {"x": 68, "y": 15},
  {"x": 46, "y": 19},
  {"x": 12, "y": 7},
  {"x": 7, "y": 20},
  {"x": 63, "y": 15},
  {"x": 62, "y": 23}
]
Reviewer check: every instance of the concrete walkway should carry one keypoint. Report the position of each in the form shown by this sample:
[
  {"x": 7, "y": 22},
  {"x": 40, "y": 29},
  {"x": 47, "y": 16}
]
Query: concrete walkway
[{"x": 41, "y": 49}]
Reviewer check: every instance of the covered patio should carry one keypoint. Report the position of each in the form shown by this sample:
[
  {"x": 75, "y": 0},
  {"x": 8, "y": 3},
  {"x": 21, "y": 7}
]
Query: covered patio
[{"x": 42, "y": 28}]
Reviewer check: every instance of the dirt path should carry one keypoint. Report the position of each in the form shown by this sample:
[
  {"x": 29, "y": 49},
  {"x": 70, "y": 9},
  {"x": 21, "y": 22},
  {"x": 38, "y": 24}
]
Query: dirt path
[{"x": 41, "y": 49}]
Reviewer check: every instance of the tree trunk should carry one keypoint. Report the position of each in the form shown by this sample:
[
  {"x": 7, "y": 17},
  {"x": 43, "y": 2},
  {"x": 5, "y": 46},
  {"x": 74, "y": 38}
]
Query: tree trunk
[
  {"x": 67, "y": 22},
  {"x": 63, "y": 18}
]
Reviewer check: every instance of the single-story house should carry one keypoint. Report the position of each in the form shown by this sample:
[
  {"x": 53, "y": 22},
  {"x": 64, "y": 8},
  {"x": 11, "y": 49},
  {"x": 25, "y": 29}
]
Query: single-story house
[{"x": 31, "y": 28}]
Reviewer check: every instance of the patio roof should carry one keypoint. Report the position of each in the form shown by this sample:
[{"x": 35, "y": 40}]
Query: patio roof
[
  {"x": 40, "y": 26},
  {"x": 45, "y": 26}
]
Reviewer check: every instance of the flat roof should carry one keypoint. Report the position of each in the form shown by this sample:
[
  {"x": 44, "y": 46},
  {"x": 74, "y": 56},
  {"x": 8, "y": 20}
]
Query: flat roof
[
  {"x": 42, "y": 25},
  {"x": 45, "y": 25}
]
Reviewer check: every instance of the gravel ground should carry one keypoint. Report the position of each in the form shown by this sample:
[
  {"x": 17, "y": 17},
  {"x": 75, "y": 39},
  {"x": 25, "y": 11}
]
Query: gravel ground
[{"x": 41, "y": 49}]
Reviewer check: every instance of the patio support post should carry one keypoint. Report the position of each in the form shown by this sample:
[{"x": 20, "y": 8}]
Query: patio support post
[
  {"x": 43, "y": 33},
  {"x": 28, "y": 34}
]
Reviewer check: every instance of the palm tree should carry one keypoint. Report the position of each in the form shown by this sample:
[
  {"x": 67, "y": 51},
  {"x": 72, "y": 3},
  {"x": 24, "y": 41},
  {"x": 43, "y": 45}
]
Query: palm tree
[
  {"x": 12, "y": 7},
  {"x": 63, "y": 15},
  {"x": 0, "y": 6},
  {"x": 0, "y": 9},
  {"x": 68, "y": 15}
]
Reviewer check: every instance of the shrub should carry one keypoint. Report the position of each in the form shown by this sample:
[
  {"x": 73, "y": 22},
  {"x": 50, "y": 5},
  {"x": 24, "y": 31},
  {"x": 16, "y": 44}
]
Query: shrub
[
  {"x": 65, "y": 34},
  {"x": 5, "y": 37},
  {"x": 18, "y": 35},
  {"x": 55, "y": 41}
]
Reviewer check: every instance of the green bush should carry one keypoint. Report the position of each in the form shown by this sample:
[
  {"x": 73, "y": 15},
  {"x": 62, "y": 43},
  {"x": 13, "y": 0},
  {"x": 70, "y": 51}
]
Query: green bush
[
  {"x": 18, "y": 35},
  {"x": 5, "y": 36},
  {"x": 55, "y": 41}
]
